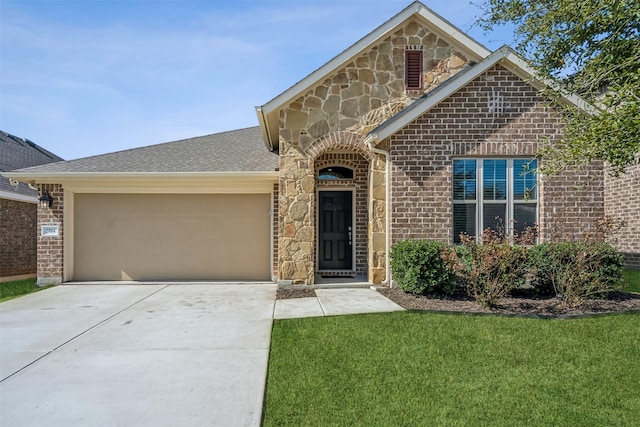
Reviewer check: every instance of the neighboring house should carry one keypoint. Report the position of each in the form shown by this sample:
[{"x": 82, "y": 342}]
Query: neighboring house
[
  {"x": 415, "y": 131},
  {"x": 18, "y": 207}
]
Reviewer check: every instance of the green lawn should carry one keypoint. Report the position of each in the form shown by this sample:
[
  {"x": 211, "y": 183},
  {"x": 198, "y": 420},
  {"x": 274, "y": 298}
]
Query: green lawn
[
  {"x": 10, "y": 290},
  {"x": 415, "y": 369},
  {"x": 631, "y": 280}
]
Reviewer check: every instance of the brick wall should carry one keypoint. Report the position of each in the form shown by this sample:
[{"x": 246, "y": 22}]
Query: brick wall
[
  {"x": 17, "y": 238},
  {"x": 464, "y": 125},
  {"x": 50, "y": 249},
  {"x": 623, "y": 204}
]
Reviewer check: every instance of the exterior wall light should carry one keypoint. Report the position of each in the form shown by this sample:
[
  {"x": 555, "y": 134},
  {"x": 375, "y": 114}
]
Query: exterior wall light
[{"x": 46, "y": 201}]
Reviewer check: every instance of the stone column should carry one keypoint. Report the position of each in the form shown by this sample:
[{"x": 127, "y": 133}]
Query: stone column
[
  {"x": 377, "y": 221},
  {"x": 296, "y": 210}
]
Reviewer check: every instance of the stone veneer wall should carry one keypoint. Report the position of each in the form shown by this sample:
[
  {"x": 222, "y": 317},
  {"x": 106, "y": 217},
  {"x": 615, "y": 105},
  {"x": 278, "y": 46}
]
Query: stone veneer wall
[
  {"x": 464, "y": 126},
  {"x": 274, "y": 235},
  {"x": 50, "y": 249},
  {"x": 17, "y": 238},
  {"x": 368, "y": 90},
  {"x": 360, "y": 167},
  {"x": 622, "y": 203},
  {"x": 335, "y": 115}
]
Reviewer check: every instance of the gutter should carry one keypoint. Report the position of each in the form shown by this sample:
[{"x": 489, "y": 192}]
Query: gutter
[
  {"x": 369, "y": 141},
  {"x": 33, "y": 177}
]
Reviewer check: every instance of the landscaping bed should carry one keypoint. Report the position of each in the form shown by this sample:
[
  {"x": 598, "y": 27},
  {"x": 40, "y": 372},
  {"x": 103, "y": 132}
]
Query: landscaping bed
[{"x": 522, "y": 303}]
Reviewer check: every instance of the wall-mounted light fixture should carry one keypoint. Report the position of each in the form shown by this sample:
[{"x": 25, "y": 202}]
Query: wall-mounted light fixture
[{"x": 46, "y": 201}]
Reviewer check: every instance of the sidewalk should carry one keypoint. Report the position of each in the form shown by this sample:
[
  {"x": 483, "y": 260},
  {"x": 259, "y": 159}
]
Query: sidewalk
[{"x": 334, "y": 302}]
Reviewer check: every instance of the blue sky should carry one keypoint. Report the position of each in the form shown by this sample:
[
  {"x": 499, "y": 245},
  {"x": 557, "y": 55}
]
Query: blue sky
[{"x": 85, "y": 77}]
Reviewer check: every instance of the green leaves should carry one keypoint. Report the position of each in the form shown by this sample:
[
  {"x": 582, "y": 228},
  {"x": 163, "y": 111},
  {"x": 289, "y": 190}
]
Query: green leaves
[{"x": 592, "y": 47}]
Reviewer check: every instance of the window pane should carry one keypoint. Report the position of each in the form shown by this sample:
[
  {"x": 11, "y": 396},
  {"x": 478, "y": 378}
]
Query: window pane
[
  {"x": 335, "y": 172},
  {"x": 494, "y": 181},
  {"x": 464, "y": 220},
  {"x": 524, "y": 179},
  {"x": 524, "y": 215},
  {"x": 464, "y": 179},
  {"x": 493, "y": 216}
]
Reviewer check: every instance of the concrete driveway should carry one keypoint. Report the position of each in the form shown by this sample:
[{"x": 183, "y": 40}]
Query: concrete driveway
[{"x": 125, "y": 355}]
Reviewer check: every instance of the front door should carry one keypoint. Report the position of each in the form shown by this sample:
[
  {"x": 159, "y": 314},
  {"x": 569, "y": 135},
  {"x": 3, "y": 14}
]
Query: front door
[{"x": 335, "y": 232}]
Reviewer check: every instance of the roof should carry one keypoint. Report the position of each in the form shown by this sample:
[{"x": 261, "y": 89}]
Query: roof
[
  {"x": 235, "y": 151},
  {"x": 504, "y": 56},
  {"x": 268, "y": 113},
  {"x": 16, "y": 153}
]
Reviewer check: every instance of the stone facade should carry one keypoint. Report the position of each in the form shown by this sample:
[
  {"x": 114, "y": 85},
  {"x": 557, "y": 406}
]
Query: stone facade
[
  {"x": 51, "y": 249},
  {"x": 622, "y": 204},
  {"x": 17, "y": 238},
  {"x": 332, "y": 118},
  {"x": 464, "y": 126}
]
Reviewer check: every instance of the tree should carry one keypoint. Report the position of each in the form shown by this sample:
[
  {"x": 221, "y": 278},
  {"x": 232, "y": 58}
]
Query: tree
[{"x": 592, "y": 48}]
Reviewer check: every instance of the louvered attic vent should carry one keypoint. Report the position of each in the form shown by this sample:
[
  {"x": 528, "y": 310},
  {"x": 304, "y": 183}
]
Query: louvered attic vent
[{"x": 413, "y": 69}]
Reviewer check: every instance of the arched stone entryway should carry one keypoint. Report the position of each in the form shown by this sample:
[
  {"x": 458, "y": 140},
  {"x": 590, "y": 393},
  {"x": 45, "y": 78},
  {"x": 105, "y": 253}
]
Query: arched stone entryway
[{"x": 297, "y": 222}]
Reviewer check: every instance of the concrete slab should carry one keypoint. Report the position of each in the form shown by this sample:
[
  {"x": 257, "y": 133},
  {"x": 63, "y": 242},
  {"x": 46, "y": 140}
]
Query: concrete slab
[
  {"x": 184, "y": 355},
  {"x": 36, "y": 324},
  {"x": 354, "y": 301},
  {"x": 297, "y": 308}
]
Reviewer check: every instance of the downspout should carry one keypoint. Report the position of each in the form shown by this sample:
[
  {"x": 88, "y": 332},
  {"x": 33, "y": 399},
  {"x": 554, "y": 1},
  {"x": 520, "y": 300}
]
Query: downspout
[{"x": 369, "y": 141}]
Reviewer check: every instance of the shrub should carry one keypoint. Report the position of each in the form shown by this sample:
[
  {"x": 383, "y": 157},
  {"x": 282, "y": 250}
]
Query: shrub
[
  {"x": 491, "y": 269},
  {"x": 419, "y": 268},
  {"x": 576, "y": 270}
]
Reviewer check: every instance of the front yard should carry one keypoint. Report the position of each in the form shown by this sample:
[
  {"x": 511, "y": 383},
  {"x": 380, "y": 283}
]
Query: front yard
[{"x": 419, "y": 368}]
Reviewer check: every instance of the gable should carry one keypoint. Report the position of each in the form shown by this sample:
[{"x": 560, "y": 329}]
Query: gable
[
  {"x": 367, "y": 76},
  {"x": 506, "y": 58}
]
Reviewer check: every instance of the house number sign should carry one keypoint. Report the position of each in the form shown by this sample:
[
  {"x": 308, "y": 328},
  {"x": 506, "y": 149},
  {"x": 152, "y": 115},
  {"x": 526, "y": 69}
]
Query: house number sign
[{"x": 50, "y": 230}]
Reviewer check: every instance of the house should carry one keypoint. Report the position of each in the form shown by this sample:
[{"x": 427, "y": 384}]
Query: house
[
  {"x": 415, "y": 131},
  {"x": 18, "y": 207}
]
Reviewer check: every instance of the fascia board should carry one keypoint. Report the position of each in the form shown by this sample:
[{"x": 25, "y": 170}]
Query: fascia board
[
  {"x": 442, "y": 27},
  {"x": 17, "y": 197},
  {"x": 416, "y": 8},
  {"x": 44, "y": 177}
]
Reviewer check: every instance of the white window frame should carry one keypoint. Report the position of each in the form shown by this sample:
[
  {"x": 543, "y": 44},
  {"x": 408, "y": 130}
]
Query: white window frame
[{"x": 510, "y": 200}]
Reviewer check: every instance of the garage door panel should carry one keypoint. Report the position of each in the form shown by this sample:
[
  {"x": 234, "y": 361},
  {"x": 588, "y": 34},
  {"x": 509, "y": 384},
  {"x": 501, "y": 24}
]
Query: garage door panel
[{"x": 172, "y": 237}]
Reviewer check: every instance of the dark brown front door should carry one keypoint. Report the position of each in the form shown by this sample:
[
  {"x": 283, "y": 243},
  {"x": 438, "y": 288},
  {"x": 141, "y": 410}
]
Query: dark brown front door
[{"x": 335, "y": 248}]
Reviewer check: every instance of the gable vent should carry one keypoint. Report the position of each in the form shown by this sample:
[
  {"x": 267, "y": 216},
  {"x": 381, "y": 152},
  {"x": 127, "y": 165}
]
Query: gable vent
[{"x": 413, "y": 69}]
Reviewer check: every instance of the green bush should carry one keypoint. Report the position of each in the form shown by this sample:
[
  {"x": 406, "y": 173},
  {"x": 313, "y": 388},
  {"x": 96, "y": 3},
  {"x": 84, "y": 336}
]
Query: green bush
[
  {"x": 576, "y": 270},
  {"x": 419, "y": 268}
]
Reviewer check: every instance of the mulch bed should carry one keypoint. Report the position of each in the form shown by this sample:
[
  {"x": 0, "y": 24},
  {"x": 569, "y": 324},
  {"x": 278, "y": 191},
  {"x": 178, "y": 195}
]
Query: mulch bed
[
  {"x": 521, "y": 305},
  {"x": 291, "y": 293}
]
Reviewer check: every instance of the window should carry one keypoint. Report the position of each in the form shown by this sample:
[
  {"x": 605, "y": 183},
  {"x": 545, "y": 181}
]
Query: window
[
  {"x": 335, "y": 172},
  {"x": 413, "y": 69},
  {"x": 494, "y": 193}
]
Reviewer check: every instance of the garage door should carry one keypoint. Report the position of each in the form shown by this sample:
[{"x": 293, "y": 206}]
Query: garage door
[{"x": 172, "y": 237}]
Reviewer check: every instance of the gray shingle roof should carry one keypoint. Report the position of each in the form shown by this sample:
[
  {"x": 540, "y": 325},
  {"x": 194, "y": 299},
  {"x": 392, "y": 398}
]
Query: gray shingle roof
[
  {"x": 235, "y": 151},
  {"x": 17, "y": 153}
]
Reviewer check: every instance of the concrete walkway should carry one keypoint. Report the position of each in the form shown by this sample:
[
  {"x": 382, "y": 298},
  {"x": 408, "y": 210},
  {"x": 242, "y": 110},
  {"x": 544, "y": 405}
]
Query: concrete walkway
[
  {"x": 152, "y": 354},
  {"x": 334, "y": 302}
]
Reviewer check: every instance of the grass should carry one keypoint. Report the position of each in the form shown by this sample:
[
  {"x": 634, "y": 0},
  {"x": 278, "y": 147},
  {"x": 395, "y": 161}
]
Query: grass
[
  {"x": 631, "y": 280},
  {"x": 416, "y": 368},
  {"x": 15, "y": 289}
]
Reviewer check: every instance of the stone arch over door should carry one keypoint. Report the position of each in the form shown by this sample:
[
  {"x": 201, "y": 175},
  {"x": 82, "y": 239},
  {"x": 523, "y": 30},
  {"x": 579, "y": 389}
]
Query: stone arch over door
[{"x": 297, "y": 206}]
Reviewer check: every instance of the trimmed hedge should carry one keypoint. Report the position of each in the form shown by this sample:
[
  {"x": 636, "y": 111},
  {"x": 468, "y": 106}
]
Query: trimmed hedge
[{"x": 419, "y": 268}]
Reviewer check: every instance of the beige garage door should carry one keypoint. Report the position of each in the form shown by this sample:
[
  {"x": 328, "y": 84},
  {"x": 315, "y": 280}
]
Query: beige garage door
[{"x": 172, "y": 237}]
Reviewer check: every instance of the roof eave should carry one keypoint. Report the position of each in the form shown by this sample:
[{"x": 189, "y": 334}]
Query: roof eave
[{"x": 56, "y": 177}]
